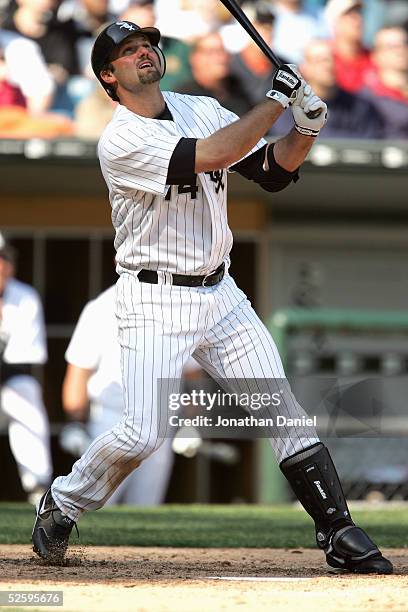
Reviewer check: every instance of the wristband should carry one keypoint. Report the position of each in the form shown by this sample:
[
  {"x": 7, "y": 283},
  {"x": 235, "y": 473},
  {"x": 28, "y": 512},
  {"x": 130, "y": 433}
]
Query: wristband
[
  {"x": 306, "y": 131},
  {"x": 278, "y": 96}
]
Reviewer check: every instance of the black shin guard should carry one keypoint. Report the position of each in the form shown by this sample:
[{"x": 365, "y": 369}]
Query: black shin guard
[{"x": 314, "y": 479}]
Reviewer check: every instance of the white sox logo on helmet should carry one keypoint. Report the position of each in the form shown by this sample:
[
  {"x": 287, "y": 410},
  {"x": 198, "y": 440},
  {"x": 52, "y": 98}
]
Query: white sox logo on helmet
[{"x": 126, "y": 25}]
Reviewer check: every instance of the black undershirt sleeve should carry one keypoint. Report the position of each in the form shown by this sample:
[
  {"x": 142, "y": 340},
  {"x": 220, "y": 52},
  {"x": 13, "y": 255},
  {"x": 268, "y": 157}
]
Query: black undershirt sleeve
[
  {"x": 181, "y": 169},
  {"x": 274, "y": 179}
]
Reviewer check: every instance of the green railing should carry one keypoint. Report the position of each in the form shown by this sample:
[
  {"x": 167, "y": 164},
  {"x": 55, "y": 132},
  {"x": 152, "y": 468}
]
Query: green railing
[{"x": 272, "y": 485}]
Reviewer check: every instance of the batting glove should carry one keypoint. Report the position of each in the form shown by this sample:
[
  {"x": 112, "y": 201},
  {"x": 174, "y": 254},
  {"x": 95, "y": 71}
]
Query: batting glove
[
  {"x": 187, "y": 441},
  {"x": 74, "y": 438},
  {"x": 304, "y": 104},
  {"x": 285, "y": 85}
]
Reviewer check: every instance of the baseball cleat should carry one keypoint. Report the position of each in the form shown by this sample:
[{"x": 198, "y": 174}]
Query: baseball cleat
[
  {"x": 351, "y": 549},
  {"x": 51, "y": 530}
]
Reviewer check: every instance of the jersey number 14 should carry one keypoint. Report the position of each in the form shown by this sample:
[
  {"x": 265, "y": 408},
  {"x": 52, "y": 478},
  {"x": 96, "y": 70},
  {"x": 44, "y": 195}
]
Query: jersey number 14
[{"x": 191, "y": 189}]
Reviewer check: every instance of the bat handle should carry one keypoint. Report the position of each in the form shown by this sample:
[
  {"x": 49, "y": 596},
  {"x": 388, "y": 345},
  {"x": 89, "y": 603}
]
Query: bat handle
[{"x": 314, "y": 114}]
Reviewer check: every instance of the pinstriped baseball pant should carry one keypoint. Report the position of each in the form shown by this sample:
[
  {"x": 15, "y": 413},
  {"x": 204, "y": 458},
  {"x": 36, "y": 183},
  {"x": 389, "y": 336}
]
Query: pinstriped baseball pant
[{"x": 160, "y": 327}]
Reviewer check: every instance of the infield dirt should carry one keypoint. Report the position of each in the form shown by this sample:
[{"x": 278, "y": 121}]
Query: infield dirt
[{"x": 123, "y": 579}]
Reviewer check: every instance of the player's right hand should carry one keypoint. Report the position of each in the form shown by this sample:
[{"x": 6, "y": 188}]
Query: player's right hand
[
  {"x": 306, "y": 102},
  {"x": 286, "y": 84}
]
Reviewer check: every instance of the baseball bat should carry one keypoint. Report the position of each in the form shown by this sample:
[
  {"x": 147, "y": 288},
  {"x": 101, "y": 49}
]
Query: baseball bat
[{"x": 237, "y": 12}]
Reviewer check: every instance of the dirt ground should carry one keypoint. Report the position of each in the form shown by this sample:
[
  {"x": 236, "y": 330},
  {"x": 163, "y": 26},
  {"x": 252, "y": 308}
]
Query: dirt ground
[{"x": 194, "y": 580}]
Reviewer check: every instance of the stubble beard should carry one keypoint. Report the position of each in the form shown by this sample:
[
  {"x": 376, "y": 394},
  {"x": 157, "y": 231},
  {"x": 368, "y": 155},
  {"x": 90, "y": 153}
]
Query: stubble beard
[{"x": 151, "y": 76}]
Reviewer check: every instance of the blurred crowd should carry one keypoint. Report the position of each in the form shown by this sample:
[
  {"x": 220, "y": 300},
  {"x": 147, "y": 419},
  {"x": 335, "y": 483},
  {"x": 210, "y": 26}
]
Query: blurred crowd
[{"x": 353, "y": 53}]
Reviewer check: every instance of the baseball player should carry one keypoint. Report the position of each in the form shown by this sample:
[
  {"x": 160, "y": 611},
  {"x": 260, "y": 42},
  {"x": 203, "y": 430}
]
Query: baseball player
[
  {"x": 165, "y": 159},
  {"x": 22, "y": 344},
  {"x": 93, "y": 388}
]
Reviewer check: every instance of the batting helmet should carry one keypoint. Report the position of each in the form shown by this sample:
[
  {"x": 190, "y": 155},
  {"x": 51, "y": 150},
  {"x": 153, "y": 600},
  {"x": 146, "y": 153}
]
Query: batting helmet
[{"x": 113, "y": 35}]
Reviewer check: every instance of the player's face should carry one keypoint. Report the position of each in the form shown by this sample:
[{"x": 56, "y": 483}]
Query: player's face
[{"x": 135, "y": 63}]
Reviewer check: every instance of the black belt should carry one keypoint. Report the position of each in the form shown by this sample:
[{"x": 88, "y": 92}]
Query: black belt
[{"x": 209, "y": 280}]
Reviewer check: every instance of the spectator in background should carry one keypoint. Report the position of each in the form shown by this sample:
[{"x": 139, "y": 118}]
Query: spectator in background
[
  {"x": 352, "y": 60},
  {"x": 387, "y": 84},
  {"x": 250, "y": 66},
  {"x": 18, "y": 122},
  {"x": 233, "y": 34},
  {"x": 92, "y": 114},
  {"x": 190, "y": 19},
  {"x": 35, "y": 19},
  {"x": 23, "y": 344},
  {"x": 350, "y": 116},
  {"x": 379, "y": 13},
  {"x": 141, "y": 12},
  {"x": 177, "y": 52},
  {"x": 294, "y": 27},
  {"x": 26, "y": 91},
  {"x": 178, "y": 69},
  {"x": 10, "y": 95},
  {"x": 390, "y": 57},
  {"x": 23, "y": 67},
  {"x": 85, "y": 18},
  {"x": 210, "y": 65}
]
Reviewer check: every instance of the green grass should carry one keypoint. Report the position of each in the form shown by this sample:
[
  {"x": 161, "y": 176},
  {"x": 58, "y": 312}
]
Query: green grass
[{"x": 206, "y": 526}]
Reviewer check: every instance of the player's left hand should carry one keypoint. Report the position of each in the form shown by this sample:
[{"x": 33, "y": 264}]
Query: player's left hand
[
  {"x": 306, "y": 102},
  {"x": 286, "y": 84}
]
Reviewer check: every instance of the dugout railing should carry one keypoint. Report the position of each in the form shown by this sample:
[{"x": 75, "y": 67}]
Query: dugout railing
[{"x": 361, "y": 345}]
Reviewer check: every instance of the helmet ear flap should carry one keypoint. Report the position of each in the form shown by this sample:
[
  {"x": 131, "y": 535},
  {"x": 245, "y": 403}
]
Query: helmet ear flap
[{"x": 162, "y": 60}]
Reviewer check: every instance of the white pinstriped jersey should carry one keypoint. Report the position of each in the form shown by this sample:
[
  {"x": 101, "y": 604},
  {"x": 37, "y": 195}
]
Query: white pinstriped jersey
[{"x": 179, "y": 229}]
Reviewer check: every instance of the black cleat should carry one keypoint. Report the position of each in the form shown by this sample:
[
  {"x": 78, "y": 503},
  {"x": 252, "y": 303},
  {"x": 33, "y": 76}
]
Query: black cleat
[
  {"x": 51, "y": 530},
  {"x": 351, "y": 549}
]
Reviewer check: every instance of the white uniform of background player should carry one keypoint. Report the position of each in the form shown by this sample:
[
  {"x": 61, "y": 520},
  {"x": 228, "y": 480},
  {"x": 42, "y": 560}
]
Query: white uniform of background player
[
  {"x": 94, "y": 351},
  {"x": 21, "y": 406}
]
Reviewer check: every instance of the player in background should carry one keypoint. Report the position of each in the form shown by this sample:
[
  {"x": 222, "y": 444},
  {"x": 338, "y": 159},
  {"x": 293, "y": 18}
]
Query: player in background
[
  {"x": 23, "y": 344},
  {"x": 92, "y": 398},
  {"x": 164, "y": 157}
]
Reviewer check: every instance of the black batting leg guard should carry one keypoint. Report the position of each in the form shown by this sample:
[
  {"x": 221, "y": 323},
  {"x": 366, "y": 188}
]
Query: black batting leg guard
[
  {"x": 313, "y": 477},
  {"x": 315, "y": 481}
]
